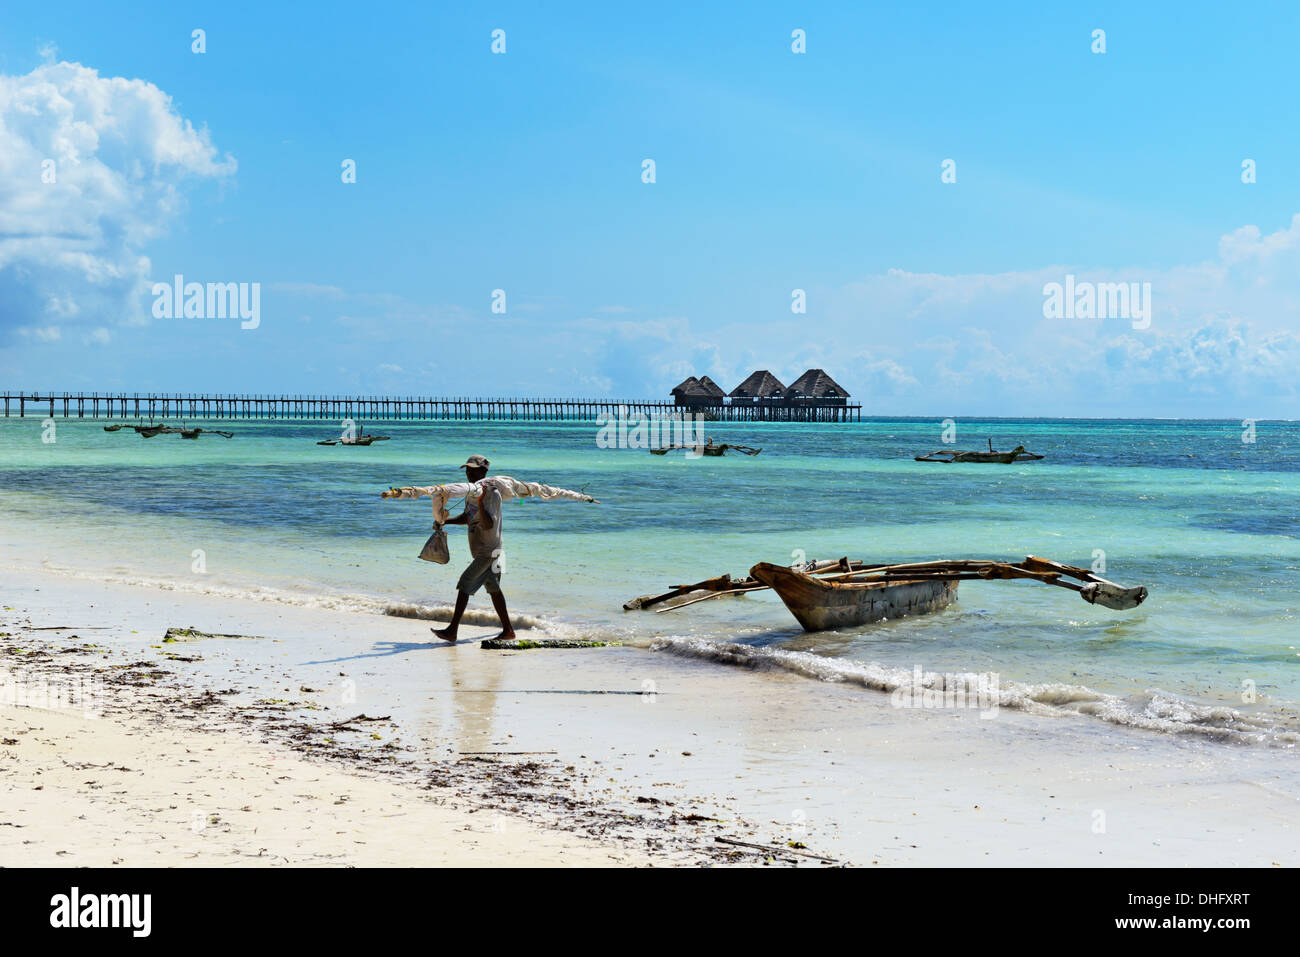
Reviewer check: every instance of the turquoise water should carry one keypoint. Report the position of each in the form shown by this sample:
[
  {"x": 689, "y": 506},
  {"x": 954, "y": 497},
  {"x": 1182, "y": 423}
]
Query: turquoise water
[{"x": 1206, "y": 521}]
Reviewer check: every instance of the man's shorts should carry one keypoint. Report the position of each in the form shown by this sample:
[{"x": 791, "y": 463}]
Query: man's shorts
[{"x": 480, "y": 573}]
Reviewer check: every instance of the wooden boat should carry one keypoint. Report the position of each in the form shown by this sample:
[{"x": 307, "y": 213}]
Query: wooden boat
[
  {"x": 359, "y": 439},
  {"x": 948, "y": 456},
  {"x": 843, "y": 594},
  {"x": 821, "y": 605},
  {"x": 149, "y": 431},
  {"x": 709, "y": 449}
]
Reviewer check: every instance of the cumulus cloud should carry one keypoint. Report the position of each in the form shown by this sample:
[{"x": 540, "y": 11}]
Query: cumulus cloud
[
  {"x": 92, "y": 168},
  {"x": 1249, "y": 243}
]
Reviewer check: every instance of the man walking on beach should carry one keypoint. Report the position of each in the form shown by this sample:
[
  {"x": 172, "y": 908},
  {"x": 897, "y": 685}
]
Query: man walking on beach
[{"x": 484, "y": 521}]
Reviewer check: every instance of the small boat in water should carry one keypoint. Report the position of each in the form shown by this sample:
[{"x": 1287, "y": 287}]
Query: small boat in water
[
  {"x": 709, "y": 448},
  {"x": 358, "y": 439},
  {"x": 361, "y": 440},
  {"x": 149, "y": 431},
  {"x": 948, "y": 456},
  {"x": 842, "y": 594}
]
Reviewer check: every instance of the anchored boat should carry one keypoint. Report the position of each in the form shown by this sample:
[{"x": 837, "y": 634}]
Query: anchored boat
[
  {"x": 948, "y": 456},
  {"x": 359, "y": 439},
  {"x": 149, "y": 431},
  {"x": 709, "y": 448}
]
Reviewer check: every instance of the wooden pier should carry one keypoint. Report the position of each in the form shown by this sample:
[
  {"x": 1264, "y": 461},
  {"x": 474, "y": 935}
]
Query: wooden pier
[{"x": 162, "y": 405}]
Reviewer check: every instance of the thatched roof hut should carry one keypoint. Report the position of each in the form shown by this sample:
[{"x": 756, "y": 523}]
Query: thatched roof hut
[
  {"x": 685, "y": 386},
  {"x": 816, "y": 384},
  {"x": 759, "y": 385},
  {"x": 712, "y": 388},
  {"x": 702, "y": 391}
]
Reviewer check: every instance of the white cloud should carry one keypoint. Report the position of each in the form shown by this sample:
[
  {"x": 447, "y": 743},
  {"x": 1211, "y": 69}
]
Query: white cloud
[
  {"x": 41, "y": 333},
  {"x": 91, "y": 169},
  {"x": 1249, "y": 243}
]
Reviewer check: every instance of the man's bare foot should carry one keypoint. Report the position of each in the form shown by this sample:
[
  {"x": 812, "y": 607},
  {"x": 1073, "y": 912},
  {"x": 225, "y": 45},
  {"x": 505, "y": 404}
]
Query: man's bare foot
[
  {"x": 505, "y": 636},
  {"x": 447, "y": 634}
]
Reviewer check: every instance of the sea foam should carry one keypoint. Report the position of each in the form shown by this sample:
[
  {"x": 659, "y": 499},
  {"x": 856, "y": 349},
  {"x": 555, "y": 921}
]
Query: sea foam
[{"x": 1152, "y": 710}]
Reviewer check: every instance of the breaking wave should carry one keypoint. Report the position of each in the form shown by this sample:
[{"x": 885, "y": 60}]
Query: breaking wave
[
  {"x": 1151, "y": 710},
  {"x": 472, "y": 616}
]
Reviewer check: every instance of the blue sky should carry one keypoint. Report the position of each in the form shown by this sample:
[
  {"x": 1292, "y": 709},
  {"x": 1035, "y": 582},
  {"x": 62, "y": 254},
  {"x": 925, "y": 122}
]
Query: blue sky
[{"x": 775, "y": 171}]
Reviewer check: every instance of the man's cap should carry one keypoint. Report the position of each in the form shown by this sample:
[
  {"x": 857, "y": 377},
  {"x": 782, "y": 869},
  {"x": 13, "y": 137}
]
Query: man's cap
[{"x": 475, "y": 462}]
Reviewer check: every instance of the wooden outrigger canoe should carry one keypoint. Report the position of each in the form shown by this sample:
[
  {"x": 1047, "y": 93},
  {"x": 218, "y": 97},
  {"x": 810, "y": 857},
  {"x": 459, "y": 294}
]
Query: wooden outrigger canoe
[
  {"x": 948, "y": 456},
  {"x": 364, "y": 440},
  {"x": 709, "y": 449},
  {"x": 149, "y": 431},
  {"x": 360, "y": 439},
  {"x": 842, "y": 594}
]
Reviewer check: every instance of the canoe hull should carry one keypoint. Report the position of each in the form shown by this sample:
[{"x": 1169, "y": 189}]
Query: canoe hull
[
  {"x": 1001, "y": 458},
  {"x": 823, "y": 606}
]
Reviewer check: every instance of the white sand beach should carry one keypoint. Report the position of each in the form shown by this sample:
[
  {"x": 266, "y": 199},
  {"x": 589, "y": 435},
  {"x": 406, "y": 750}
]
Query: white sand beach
[{"x": 98, "y": 793}]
